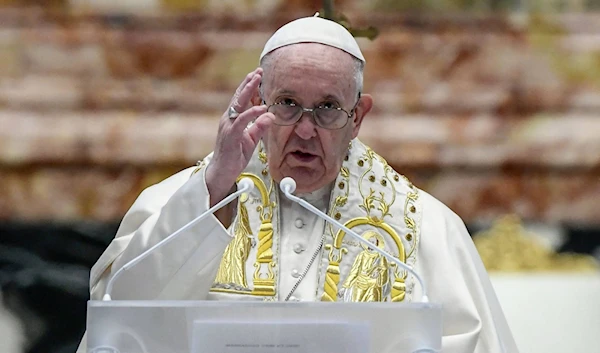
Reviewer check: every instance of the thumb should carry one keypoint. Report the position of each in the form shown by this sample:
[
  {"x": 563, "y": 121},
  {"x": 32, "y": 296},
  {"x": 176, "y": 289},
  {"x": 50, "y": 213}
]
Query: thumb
[{"x": 260, "y": 127}]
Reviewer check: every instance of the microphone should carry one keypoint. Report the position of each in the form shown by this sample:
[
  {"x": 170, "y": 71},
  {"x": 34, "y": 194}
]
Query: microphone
[
  {"x": 288, "y": 186},
  {"x": 244, "y": 185}
]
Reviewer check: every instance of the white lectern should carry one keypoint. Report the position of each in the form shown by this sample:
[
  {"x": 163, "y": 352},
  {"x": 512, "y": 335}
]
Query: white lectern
[{"x": 262, "y": 327}]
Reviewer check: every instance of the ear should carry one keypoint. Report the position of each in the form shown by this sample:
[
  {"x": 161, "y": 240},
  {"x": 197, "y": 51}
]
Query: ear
[
  {"x": 256, "y": 100},
  {"x": 362, "y": 109}
]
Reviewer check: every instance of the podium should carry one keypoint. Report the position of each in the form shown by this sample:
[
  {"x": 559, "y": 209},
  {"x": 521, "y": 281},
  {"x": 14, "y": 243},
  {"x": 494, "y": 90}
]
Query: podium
[{"x": 260, "y": 327}]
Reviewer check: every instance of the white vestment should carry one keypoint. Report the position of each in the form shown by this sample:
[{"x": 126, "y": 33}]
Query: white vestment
[{"x": 188, "y": 268}]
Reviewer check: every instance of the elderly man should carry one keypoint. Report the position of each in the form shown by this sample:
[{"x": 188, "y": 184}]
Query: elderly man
[{"x": 298, "y": 115}]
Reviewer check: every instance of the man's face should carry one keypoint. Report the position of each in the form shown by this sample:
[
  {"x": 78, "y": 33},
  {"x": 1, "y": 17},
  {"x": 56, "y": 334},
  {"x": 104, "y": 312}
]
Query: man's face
[
  {"x": 311, "y": 75},
  {"x": 375, "y": 241}
]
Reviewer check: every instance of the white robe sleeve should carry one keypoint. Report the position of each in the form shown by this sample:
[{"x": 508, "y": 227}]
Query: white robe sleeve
[
  {"x": 181, "y": 269},
  {"x": 473, "y": 320},
  {"x": 184, "y": 268}
]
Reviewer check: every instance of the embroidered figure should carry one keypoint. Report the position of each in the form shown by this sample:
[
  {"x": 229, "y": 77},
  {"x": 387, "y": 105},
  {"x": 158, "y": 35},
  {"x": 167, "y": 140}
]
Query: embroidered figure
[
  {"x": 369, "y": 278},
  {"x": 232, "y": 270}
]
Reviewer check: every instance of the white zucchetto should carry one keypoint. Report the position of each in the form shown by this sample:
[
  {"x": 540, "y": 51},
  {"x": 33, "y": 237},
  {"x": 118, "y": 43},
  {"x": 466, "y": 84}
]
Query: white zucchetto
[{"x": 314, "y": 30}]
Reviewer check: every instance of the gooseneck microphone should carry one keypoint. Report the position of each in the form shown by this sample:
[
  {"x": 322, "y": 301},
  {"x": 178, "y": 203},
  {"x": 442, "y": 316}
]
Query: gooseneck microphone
[
  {"x": 244, "y": 185},
  {"x": 288, "y": 186}
]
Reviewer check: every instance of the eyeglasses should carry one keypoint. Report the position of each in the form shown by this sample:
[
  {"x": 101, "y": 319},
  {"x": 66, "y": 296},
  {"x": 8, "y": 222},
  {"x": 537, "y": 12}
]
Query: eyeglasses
[{"x": 326, "y": 115}]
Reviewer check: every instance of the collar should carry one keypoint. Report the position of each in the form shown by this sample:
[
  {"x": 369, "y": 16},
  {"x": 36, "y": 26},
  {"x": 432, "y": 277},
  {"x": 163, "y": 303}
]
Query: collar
[{"x": 318, "y": 198}]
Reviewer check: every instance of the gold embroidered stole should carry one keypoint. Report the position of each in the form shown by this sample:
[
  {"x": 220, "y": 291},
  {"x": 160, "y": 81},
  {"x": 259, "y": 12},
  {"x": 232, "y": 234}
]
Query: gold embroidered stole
[{"x": 369, "y": 197}]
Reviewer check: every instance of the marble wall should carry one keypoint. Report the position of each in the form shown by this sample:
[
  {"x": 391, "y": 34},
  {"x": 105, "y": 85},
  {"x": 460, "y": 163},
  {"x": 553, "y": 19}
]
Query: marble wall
[{"x": 491, "y": 114}]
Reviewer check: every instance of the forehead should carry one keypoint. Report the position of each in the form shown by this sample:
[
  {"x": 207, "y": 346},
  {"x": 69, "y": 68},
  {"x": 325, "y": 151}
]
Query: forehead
[{"x": 311, "y": 68}]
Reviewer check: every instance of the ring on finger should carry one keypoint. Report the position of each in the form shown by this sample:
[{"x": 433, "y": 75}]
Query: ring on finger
[{"x": 233, "y": 113}]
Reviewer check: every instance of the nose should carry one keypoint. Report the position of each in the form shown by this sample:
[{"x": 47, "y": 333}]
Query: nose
[{"x": 306, "y": 127}]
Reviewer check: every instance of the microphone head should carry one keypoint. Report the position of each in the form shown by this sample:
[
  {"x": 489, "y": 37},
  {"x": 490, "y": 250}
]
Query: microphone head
[
  {"x": 288, "y": 185},
  {"x": 246, "y": 184}
]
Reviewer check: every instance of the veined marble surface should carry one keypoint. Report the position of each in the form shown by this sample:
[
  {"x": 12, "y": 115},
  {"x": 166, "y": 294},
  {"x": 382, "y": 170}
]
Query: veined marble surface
[{"x": 491, "y": 114}]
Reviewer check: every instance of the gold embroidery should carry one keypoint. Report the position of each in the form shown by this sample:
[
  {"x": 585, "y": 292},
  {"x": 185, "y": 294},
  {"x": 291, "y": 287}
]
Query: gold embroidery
[
  {"x": 398, "y": 289},
  {"x": 262, "y": 156},
  {"x": 377, "y": 209},
  {"x": 360, "y": 221},
  {"x": 370, "y": 202},
  {"x": 345, "y": 173},
  {"x": 199, "y": 165},
  {"x": 332, "y": 274},
  {"x": 264, "y": 282},
  {"x": 264, "y": 277},
  {"x": 369, "y": 279},
  {"x": 232, "y": 270},
  {"x": 411, "y": 224},
  {"x": 332, "y": 277},
  {"x": 399, "y": 286},
  {"x": 340, "y": 201}
]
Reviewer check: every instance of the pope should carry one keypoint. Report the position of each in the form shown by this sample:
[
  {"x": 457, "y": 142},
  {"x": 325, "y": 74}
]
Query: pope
[{"x": 299, "y": 115}]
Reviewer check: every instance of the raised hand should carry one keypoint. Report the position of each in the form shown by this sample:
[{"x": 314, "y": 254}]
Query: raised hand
[{"x": 235, "y": 140}]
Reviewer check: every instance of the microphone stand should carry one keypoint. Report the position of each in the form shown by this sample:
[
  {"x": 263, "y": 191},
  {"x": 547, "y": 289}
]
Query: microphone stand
[{"x": 245, "y": 185}]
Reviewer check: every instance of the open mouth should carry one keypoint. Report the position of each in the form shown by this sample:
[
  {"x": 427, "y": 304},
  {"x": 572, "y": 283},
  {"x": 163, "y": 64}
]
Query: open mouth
[{"x": 303, "y": 156}]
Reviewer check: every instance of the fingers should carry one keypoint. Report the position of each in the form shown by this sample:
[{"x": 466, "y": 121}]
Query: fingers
[
  {"x": 241, "y": 101},
  {"x": 260, "y": 126},
  {"x": 242, "y": 121},
  {"x": 246, "y": 90},
  {"x": 248, "y": 78}
]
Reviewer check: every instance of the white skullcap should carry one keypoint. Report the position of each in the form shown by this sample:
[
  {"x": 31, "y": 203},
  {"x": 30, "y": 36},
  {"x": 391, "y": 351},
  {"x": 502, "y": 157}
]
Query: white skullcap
[{"x": 314, "y": 30}]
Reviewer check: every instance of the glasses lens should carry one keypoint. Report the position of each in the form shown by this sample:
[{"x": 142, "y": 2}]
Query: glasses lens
[
  {"x": 331, "y": 118},
  {"x": 285, "y": 114}
]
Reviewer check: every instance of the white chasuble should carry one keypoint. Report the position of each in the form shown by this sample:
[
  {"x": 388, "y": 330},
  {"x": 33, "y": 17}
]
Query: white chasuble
[
  {"x": 276, "y": 250},
  {"x": 368, "y": 197}
]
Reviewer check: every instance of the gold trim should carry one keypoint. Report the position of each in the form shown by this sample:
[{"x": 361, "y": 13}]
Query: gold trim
[
  {"x": 359, "y": 221},
  {"x": 264, "y": 277},
  {"x": 199, "y": 165},
  {"x": 332, "y": 273},
  {"x": 399, "y": 286},
  {"x": 232, "y": 269},
  {"x": 369, "y": 277},
  {"x": 230, "y": 291},
  {"x": 377, "y": 208},
  {"x": 332, "y": 277}
]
